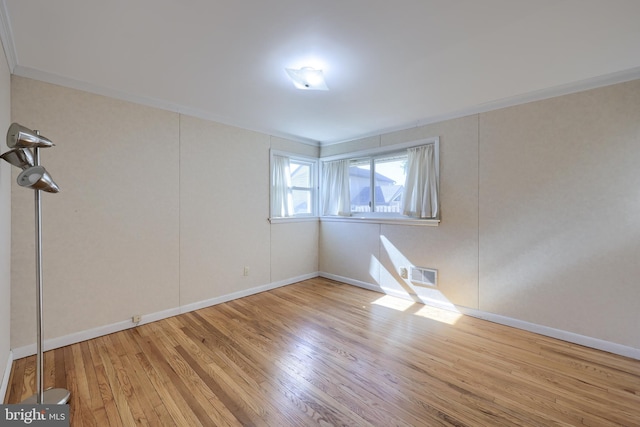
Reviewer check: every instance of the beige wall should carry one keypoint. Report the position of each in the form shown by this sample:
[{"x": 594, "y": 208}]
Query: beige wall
[
  {"x": 160, "y": 210},
  {"x": 224, "y": 207},
  {"x": 110, "y": 237},
  {"x": 294, "y": 246},
  {"x": 294, "y": 250},
  {"x": 373, "y": 253},
  {"x": 560, "y": 213},
  {"x": 540, "y": 216},
  {"x": 5, "y": 220},
  {"x": 156, "y": 211}
]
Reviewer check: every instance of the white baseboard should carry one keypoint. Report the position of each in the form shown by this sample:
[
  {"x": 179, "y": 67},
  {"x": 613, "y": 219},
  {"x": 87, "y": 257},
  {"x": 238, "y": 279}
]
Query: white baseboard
[
  {"x": 88, "y": 334},
  {"x": 560, "y": 334},
  {"x": 5, "y": 377},
  {"x": 241, "y": 294},
  {"x": 571, "y": 337},
  {"x": 58, "y": 342},
  {"x": 349, "y": 281},
  {"x": 76, "y": 337}
]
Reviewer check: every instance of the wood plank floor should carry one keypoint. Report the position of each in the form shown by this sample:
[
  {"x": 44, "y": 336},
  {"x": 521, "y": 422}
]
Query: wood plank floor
[{"x": 321, "y": 353}]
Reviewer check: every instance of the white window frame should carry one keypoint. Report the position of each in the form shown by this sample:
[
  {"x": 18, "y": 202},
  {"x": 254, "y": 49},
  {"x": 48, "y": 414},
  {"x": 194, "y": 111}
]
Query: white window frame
[
  {"x": 313, "y": 216},
  {"x": 382, "y": 152},
  {"x": 372, "y": 188}
]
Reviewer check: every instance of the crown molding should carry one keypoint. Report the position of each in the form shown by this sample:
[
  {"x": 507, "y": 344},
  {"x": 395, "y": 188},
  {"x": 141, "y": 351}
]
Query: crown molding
[
  {"x": 539, "y": 95},
  {"x": 46, "y": 77},
  {"x": 565, "y": 89},
  {"x": 6, "y": 36}
]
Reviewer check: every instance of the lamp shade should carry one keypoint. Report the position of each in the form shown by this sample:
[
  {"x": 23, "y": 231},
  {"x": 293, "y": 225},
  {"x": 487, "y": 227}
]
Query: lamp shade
[
  {"x": 20, "y": 157},
  {"x": 19, "y": 136},
  {"x": 37, "y": 178}
]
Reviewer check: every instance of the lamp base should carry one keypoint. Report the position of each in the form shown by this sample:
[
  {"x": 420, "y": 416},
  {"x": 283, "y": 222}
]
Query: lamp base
[{"x": 52, "y": 396}]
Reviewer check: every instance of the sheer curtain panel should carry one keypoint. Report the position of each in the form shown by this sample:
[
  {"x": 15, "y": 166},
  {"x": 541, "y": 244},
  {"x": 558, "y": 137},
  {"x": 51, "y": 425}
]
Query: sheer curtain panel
[
  {"x": 421, "y": 188},
  {"x": 336, "y": 199},
  {"x": 281, "y": 197}
]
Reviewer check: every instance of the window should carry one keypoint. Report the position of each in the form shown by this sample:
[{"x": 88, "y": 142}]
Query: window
[
  {"x": 302, "y": 187},
  {"x": 293, "y": 185},
  {"x": 384, "y": 184},
  {"x": 376, "y": 184}
]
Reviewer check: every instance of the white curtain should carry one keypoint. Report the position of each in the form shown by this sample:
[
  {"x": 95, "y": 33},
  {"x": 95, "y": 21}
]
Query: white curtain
[
  {"x": 421, "y": 188},
  {"x": 336, "y": 198},
  {"x": 281, "y": 197}
]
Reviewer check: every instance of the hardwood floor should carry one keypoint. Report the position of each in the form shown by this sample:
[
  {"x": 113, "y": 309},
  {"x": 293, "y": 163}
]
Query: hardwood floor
[{"x": 328, "y": 354}]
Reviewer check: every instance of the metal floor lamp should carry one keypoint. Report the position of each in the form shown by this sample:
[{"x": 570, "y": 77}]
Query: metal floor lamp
[{"x": 25, "y": 144}]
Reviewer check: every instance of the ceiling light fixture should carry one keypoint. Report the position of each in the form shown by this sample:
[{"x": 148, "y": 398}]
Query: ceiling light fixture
[{"x": 307, "y": 78}]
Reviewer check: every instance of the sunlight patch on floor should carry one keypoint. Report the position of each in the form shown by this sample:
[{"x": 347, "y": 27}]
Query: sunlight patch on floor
[
  {"x": 449, "y": 317},
  {"x": 439, "y": 314},
  {"x": 393, "y": 302}
]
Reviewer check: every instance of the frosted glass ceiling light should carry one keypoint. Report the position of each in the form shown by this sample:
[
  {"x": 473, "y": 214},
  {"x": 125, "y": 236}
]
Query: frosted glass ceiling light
[{"x": 307, "y": 78}]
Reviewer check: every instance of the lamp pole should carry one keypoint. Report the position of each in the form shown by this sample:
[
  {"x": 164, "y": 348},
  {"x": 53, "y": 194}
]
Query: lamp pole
[
  {"x": 39, "y": 349},
  {"x": 34, "y": 176},
  {"x": 54, "y": 395}
]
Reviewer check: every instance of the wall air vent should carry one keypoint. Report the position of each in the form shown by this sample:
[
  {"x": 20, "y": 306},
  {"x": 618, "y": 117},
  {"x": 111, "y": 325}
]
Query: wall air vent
[{"x": 424, "y": 276}]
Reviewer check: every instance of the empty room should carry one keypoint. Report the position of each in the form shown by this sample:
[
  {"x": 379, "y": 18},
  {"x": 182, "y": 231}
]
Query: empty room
[{"x": 339, "y": 213}]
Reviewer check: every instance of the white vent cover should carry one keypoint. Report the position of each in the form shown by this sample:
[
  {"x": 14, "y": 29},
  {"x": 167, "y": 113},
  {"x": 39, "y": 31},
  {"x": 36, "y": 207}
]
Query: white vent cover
[{"x": 424, "y": 276}]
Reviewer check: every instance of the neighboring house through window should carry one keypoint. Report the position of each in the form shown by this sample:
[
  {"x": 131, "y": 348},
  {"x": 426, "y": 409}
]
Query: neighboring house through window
[
  {"x": 402, "y": 183},
  {"x": 398, "y": 184},
  {"x": 377, "y": 183}
]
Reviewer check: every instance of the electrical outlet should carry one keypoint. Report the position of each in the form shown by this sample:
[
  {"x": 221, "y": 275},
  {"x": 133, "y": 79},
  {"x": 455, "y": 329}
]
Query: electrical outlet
[
  {"x": 404, "y": 273},
  {"x": 245, "y": 272},
  {"x": 136, "y": 318}
]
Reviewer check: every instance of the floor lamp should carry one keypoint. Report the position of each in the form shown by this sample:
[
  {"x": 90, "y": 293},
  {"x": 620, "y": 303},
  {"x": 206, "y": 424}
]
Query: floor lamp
[{"x": 25, "y": 144}]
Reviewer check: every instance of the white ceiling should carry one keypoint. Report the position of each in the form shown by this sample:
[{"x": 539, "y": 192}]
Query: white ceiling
[{"x": 388, "y": 64}]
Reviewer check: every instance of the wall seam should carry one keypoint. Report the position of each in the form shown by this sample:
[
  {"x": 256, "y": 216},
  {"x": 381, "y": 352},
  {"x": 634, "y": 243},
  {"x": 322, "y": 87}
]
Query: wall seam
[
  {"x": 478, "y": 213},
  {"x": 179, "y": 210},
  {"x": 269, "y": 213}
]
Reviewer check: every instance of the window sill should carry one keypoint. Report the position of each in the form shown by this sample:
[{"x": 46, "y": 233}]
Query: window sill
[
  {"x": 359, "y": 219},
  {"x": 284, "y": 220},
  {"x": 374, "y": 220}
]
